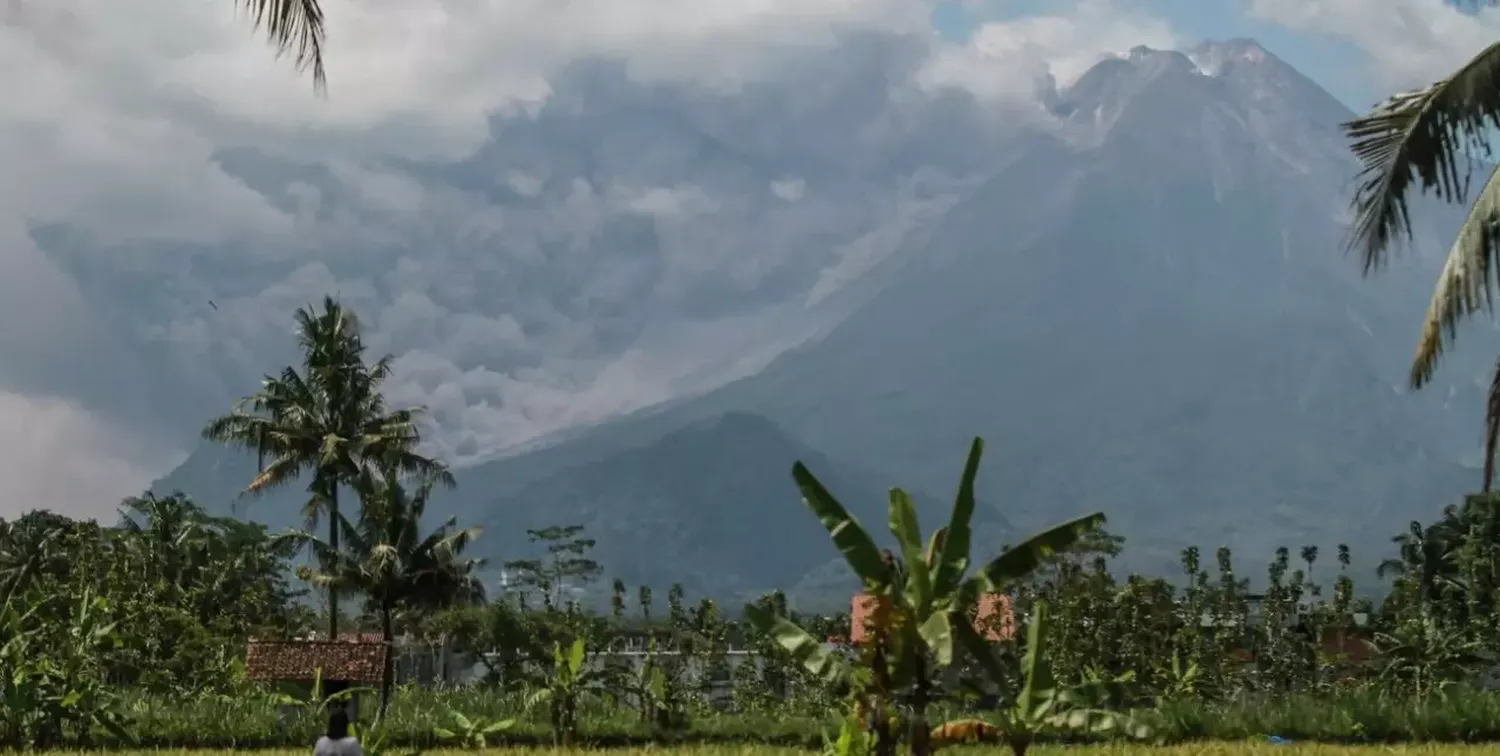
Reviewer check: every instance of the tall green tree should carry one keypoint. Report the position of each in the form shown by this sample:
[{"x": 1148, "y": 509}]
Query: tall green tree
[
  {"x": 1451, "y": 568},
  {"x": 169, "y": 528},
  {"x": 1425, "y": 561},
  {"x": 40, "y": 545},
  {"x": 567, "y": 566},
  {"x": 328, "y": 419},
  {"x": 187, "y": 589},
  {"x": 388, "y": 558},
  {"x": 25, "y": 549},
  {"x": 220, "y": 569}
]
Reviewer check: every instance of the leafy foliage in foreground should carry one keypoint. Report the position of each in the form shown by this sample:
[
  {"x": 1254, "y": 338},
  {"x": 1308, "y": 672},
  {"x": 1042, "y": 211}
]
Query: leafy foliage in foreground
[
  {"x": 135, "y": 634},
  {"x": 251, "y": 721},
  {"x": 1256, "y": 748},
  {"x": 140, "y": 629}
]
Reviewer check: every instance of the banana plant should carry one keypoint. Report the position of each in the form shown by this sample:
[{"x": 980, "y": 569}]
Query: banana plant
[
  {"x": 665, "y": 697},
  {"x": 1181, "y": 680},
  {"x": 926, "y": 597},
  {"x": 374, "y": 741},
  {"x": 316, "y": 705},
  {"x": 569, "y": 682},
  {"x": 854, "y": 736},
  {"x": 472, "y": 732},
  {"x": 656, "y": 687},
  {"x": 1044, "y": 706},
  {"x": 51, "y": 682},
  {"x": 852, "y": 740}
]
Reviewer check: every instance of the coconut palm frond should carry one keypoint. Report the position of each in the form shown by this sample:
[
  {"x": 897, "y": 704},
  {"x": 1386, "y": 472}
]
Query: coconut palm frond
[
  {"x": 1390, "y": 567},
  {"x": 1425, "y": 138},
  {"x": 282, "y": 469},
  {"x": 296, "y": 27},
  {"x": 1466, "y": 284},
  {"x": 1421, "y": 136},
  {"x": 386, "y": 555},
  {"x": 328, "y": 417}
]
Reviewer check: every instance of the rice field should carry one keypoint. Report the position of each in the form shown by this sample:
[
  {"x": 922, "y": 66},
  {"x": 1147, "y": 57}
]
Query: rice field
[
  {"x": 256, "y": 723},
  {"x": 1250, "y": 748}
]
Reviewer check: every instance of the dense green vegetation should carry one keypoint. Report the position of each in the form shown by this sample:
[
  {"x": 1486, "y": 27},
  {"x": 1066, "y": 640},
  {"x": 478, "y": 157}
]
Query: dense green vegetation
[
  {"x": 1102, "y": 749},
  {"x": 134, "y": 634}
]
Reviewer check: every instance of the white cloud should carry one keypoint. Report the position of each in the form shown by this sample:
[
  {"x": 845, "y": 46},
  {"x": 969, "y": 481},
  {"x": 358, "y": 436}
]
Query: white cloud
[
  {"x": 1411, "y": 43},
  {"x": 523, "y": 184},
  {"x": 666, "y": 203},
  {"x": 1012, "y": 59},
  {"x": 539, "y": 243},
  {"x": 56, "y": 455},
  {"x": 441, "y": 67},
  {"x": 102, "y": 98},
  {"x": 788, "y": 189}
]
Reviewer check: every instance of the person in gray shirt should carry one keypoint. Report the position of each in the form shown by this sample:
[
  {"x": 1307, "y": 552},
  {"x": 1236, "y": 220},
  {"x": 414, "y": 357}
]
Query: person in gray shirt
[{"x": 338, "y": 741}]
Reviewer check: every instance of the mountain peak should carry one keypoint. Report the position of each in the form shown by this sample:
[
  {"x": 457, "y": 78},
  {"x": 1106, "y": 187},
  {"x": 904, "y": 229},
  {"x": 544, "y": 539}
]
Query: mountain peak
[
  {"x": 1212, "y": 58},
  {"x": 1220, "y": 58},
  {"x": 1154, "y": 62},
  {"x": 1163, "y": 89}
]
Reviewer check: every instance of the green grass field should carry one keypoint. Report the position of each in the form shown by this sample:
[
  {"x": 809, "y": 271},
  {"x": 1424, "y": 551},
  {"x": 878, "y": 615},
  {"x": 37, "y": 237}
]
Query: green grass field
[{"x": 1188, "y": 749}]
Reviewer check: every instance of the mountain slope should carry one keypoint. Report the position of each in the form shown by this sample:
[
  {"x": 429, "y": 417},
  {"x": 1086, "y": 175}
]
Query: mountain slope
[
  {"x": 1144, "y": 312},
  {"x": 1155, "y": 321},
  {"x": 711, "y": 506}
]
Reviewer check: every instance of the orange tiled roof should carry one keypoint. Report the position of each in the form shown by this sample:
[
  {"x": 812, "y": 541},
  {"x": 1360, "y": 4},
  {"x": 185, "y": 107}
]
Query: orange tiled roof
[
  {"x": 347, "y": 637},
  {"x": 994, "y": 620},
  {"x": 356, "y": 658}
]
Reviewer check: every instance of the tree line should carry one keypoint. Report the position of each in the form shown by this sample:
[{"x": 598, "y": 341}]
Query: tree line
[{"x": 163, "y": 602}]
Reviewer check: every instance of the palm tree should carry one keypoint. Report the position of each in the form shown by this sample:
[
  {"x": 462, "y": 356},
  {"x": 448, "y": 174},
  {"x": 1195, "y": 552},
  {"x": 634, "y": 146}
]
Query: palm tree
[
  {"x": 388, "y": 558},
  {"x": 23, "y": 552},
  {"x": 293, "y": 26},
  {"x": 330, "y": 419},
  {"x": 170, "y": 529},
  {"x": 1437, "y": 563},
  {"x": 1428, "y": 139},
  {"x": 39, "y": 543},
  {"x": 1426, "y": 560}
]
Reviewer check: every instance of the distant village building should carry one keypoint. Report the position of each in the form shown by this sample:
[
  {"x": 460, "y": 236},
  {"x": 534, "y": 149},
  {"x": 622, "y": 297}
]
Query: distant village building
[
  {"x": 995, "y": 620},
  {"x": 354, "y": 660}
]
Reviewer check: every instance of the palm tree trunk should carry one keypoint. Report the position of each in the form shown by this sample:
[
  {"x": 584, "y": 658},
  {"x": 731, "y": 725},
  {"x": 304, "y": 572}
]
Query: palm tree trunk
[
  {"x": 333, "y": 540},
  {"x": 387, "y": 674}
]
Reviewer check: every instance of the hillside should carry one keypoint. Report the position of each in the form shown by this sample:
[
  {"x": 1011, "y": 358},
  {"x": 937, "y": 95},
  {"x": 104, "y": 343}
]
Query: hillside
[
  {"x": 1144, "y": 311},
  {"x": 711, "y": 506},
  {"x": 1151, "y": 317}
]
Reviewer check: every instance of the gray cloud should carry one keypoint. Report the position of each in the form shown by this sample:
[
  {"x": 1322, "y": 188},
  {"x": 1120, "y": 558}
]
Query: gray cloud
[{"x": 551, "y": 213}]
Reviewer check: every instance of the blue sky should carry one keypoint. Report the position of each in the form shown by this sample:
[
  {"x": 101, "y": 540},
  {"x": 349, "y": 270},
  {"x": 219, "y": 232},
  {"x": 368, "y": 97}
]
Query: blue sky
[{"x": 1338, "y": 66}]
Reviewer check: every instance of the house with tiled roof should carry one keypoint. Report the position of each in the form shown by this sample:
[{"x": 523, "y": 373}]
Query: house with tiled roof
[
  {"x": 994, "y": 619},
  {"x": 353, "y": 660}
]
